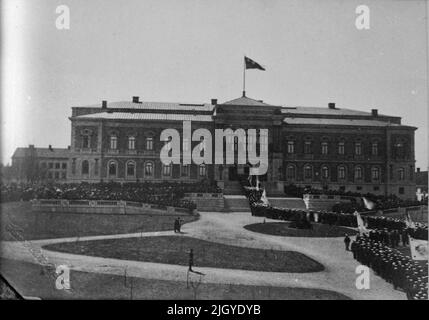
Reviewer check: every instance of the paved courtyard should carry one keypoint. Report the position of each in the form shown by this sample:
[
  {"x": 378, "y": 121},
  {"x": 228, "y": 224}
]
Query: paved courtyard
[{"x": 227, "y": 228}]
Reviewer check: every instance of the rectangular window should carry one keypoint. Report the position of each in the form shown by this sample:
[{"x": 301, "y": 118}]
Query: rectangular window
[
  {"x": 376, "y": 188},
  {"x": 85, "y": 142},
  {"x": 166, "y": 170},
  {"x": 202, "y": 170},
  {"x": 149, "y": 143},
  {"x": 131, "y": 143},
  {"x": 113, "y": 142},
  {"x": 50, "y": 165},
  {"x": 341, "y": 148},
  {"x": 374, "y": 149},
  {"x": 358, "y": 148},
  {"x": 57, "y": 175},
  {"x": 57, "y": 165},
  {"x": 64, "y": 165},
  {"x": 96, "y": 167},
  {"x": 63, "y": 175},
  {"x": 401, "y": 190},
  {"x": 185, "y": 170},
  {"x": 324, "y": 148},
  {"x": 290, "y": 147},
  {"x": 358, "y": 188},
  {"x": 307, "y": 147}
]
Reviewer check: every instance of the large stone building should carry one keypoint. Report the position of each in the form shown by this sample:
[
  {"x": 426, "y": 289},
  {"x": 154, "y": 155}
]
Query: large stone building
[{"x": 329, "y": 147}]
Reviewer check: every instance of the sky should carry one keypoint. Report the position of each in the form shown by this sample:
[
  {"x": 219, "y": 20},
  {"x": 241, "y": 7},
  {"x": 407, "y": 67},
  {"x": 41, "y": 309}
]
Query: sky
[{"x": 191, "y": 51}]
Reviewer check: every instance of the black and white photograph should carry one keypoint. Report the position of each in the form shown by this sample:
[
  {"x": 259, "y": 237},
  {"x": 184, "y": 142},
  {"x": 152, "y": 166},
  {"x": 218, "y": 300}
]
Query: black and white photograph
[{"x": 228, "y": 152}]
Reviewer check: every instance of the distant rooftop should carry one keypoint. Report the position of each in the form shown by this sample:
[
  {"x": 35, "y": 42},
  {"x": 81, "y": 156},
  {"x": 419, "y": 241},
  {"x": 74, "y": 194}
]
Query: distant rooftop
[
  {"x": 339, "y": 122},
  {"x": 155, "y": 106},
  {"x": 146, "y": 116},
  {"x": 41, "y": 152}
]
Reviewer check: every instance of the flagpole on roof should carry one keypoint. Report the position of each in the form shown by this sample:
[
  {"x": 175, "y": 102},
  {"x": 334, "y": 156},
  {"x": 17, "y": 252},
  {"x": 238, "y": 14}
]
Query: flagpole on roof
[{"x": 244, "y": 76}]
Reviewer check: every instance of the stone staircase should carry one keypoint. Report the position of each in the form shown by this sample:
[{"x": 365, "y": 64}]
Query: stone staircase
[
  {"x": 236, "y": 203},
  {"x": 233, "y": 188},
  {"x": 234, "y": 198},
  {"x": 289, "y": 203}
]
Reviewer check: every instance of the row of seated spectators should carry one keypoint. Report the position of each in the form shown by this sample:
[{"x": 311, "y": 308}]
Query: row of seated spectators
[
  {"x": 380, "y": 223},
  {"x": 381, "y": 202},
  {"x": 163, "y": 193}
]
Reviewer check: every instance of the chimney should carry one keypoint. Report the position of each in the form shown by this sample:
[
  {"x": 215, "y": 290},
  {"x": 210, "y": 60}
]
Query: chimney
[
  {"x": 136, "y": 99},
  {"x": 214, "y": 102},
  {"x": 50, "y": 147},
  {"x": 68, "y": 147},
  {"x": 374, "y": 112},
  {"x": 31, "y": 146},
  {"x": 418, "y": 169},
  {"x": 331, "y": 105},
  {"x": 104, "y": 104}
]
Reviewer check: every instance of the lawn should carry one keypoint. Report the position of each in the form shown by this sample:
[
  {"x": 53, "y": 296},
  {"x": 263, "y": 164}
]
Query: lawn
[
  {"x": 28, "y": 279},
  {"x": 174, "y": 250},
  {"x": 282, "y": 229},
  {"x": 18, "y": 222}
]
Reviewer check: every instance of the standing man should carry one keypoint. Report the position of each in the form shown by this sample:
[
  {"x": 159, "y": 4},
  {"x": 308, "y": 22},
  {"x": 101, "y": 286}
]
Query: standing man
[
  {"x": 347, "y": 242},
  {"x": 191, "y": 259},
  {"x": 176, "y": 225},
  {"x": 179, "y": 224}
]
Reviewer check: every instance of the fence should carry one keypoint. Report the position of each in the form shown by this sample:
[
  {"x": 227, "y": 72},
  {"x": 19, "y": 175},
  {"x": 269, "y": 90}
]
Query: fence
[
  {"x": 207, "y": 201},
  {"x": 103, "y": 206}
]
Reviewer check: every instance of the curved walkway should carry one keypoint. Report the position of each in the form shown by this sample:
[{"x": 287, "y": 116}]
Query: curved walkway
[{"x": 339, "y": 274}]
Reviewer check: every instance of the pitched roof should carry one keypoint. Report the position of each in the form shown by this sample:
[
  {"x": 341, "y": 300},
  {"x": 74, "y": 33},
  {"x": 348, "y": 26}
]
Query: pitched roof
[
  {"x": 155, "y": 106},
  {"x": 245, "y": 101},
  {"x": 325, "y": 111},
  {"x": 339, "y": 122},
  {"x": 146, "y": 116},
  {"x": 42, "y": 152}
]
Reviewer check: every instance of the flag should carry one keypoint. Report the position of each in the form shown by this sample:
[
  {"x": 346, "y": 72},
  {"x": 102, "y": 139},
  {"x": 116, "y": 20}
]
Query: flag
[
  {"x": 419, "y": 249},
  {"x": 408, "y": 222},
  {"x": 250, "y": 64},
  {"x": 361, "y": 225},
  {"x": 368, "y": 203},
  {"x": 264, "y": 198}
]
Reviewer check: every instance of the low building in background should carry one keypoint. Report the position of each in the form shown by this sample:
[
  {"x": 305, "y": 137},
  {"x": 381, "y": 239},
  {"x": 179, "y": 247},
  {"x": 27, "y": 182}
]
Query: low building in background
[{"x": 40, "y": 164}]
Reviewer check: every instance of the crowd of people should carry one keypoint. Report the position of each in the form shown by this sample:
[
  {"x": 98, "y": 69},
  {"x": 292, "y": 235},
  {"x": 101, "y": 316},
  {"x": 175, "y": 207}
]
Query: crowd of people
[
  {"x": 402, "y": 271},
  {"x": 381, "y": 202},
  {"x": 163, "y": 193}
]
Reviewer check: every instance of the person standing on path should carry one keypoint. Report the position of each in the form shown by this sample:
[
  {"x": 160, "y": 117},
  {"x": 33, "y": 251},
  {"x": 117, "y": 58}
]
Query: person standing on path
[
  {"x": 347, "y": 242},
  {"x": 191, "y": 259}
]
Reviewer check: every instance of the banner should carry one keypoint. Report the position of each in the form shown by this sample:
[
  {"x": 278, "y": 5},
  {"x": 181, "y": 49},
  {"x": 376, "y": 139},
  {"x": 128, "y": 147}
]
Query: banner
[{"x": 419, "y": 249}]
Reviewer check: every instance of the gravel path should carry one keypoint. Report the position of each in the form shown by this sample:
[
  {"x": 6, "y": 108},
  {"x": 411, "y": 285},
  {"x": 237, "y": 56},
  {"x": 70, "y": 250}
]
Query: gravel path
[{"x": 339, "y": 274}]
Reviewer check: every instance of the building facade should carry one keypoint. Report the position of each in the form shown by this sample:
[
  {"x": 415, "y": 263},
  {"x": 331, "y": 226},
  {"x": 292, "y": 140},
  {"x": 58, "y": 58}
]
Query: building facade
[
  {"x": 40, "y": 164},
  {"x": 330, "y": 148}
]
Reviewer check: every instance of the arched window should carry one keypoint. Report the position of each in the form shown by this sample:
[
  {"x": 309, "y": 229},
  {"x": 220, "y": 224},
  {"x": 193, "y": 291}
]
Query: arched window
[
  {"x": 358, "y": 172},
  {"x": 202, "y": 171},
  {"x": 308, "y": 172},
  {"x": 85, "y": 167},
  {"x": 131, "y": 169},
  {"x": 149, "y": 143},
  {"x": 290, "y": 172},
  {"x": 401, "y": 173},
  {"x": 113, "y": 142},
  {"x": 148, "y": 169},
  {"x": 307, "y": 147},
  {"x": 131, "y": 143},
  {"x": 341, "y": 172},
  {"x": 375, "y": 173},
  {"x": 325, "y": 172},
  {"x": 112, "y": 169}
]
